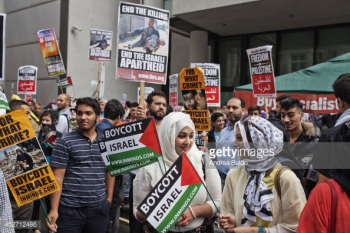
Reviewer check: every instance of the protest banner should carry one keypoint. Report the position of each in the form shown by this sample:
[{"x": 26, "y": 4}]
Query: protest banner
[
  {"x": 22, "y": 161},
  {"x": 2, "y": 45},
  {"x": 312, "y": 103},
  {"x": 27, "y": 80},
  {"x": 65, "y": 82},
  {"x": 51, "y": 52},
  {"x": 173, "y": 87},
  {"x": 100, "y": 45},
  {"x": 143, "y": 43},
  {"x": 261, "y": 71},
  {"x": 194, "y": 98},
  {"x": 171, "y": 196},
  {"x": 148, "y": 90},
  {"x": 130, "y": 146},
  {"x": 212, "y": 82}
]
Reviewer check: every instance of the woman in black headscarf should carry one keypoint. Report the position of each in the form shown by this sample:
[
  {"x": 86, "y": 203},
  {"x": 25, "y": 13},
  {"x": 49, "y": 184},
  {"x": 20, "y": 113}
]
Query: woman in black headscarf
[{"x": 24, "y": 160}]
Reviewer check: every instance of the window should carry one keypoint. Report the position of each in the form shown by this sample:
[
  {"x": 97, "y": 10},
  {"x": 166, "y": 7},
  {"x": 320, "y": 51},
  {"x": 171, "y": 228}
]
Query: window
[{"x": 230, "y": 62}]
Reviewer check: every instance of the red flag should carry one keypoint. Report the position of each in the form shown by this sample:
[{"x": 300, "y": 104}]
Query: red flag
[{"x": 189, "y": 174}]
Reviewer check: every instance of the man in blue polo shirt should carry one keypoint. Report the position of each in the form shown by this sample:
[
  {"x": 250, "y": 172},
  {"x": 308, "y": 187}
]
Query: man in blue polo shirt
[{"x": 82, "y": 204}]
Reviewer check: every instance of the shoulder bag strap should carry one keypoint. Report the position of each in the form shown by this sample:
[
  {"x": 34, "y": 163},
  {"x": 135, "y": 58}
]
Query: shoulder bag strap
[{"x": 277, "y": 179}]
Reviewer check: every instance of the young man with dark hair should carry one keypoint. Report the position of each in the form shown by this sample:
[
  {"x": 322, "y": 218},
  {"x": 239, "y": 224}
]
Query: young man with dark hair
[
  {"x": 31, "y": 105},
  {"x": 324, "y": 152},
  {"x": 303, "y": 137},
  {"x": 213, "y": 136},
  {"x": 254, "y": 110},
  {"x": 83, "y": 202},
  {"x": 157, "y": 106},
  {"x": 278, "y": 105}
]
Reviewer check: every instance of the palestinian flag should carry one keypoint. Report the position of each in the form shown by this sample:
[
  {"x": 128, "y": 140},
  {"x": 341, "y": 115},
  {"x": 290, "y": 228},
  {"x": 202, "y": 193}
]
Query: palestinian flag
[
  {"x": 65, "y": 82},
  {"x": 51, "y": 141},
  {"x": 171, "y": 196},
  {"x": 131, "y": 143}
]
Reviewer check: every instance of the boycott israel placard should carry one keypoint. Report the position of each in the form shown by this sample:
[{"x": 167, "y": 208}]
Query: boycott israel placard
[
  {"x": 261, "y": 71},
  {"x": 26, "y": 80},
  {"x": 194, "y": 98},
  {"x": 171, "y": 196},
  {"x": 173, "y": 86},
  {"x": 212, "y": 82},
  {"x": 22, "y": 161},
  {"x": 100, "y": 45},
  {"x": 130, "y": 146},
  {"x": 51, "y": 52},
  {"x": 143, "y": 43},
  {"x": 65, "y": 82}
]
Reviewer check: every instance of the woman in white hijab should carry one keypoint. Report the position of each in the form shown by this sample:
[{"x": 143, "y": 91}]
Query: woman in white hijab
[
  {"x": 250, "y": 200},
  {"x": 176, "y": 135}
]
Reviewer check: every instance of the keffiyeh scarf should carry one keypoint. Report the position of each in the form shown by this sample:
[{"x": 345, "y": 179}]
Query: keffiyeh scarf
[{"x": 257, "y": 195}]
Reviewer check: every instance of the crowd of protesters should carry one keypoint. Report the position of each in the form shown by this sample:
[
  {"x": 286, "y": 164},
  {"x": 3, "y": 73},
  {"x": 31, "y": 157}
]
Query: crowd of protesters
[{"x": 302, "y": 185}]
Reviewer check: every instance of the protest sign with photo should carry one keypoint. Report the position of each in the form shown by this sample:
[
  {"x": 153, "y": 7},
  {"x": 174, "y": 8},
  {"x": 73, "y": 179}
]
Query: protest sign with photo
[
  {"x": 130, "y": 146},
  {"x": 212, "y": 82},
  {"x": 65, "y": 82},
  {"x": 22, "y": 161},
  {"x": 143, "y": 43},
  {"x": 194, "y": 98},
  {"x": 2, "y": 45},
  {"x": 179, "y": 186},
  {"x": 261, "y": 71},
  {"x": 27, "y": 80},
  {"x": 100, "y": 45},
  {"x": 51, "y": 52},
  {"x": 173, "y": 87}
]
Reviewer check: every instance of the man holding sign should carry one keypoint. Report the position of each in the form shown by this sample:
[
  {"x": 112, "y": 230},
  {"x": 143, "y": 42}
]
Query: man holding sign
[{"x": 82, "y": 204}]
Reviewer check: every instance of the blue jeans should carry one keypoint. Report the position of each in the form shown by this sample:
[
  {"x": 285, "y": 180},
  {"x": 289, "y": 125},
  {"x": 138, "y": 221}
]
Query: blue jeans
[
  {"x": 127, "y": 179},
  {"x": 83, "y": 219}
]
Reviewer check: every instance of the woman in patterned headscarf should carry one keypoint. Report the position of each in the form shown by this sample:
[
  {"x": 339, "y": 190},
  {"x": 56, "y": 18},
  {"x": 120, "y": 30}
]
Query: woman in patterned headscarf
[{"x": 250, "y": 200}]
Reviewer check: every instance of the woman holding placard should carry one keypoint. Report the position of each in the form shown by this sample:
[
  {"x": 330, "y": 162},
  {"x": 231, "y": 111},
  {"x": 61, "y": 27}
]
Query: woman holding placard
[{"x": 176, "y": 135}]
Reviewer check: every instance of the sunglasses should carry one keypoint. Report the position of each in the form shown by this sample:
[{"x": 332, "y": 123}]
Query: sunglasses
[{"x": 72, "y": 109}]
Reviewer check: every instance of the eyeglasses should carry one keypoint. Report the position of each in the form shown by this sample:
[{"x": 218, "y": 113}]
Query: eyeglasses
[{"x": 72, "y": 109}]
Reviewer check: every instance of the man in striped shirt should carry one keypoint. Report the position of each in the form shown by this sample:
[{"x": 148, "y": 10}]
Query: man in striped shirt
[{"x": 82, "y": 204}]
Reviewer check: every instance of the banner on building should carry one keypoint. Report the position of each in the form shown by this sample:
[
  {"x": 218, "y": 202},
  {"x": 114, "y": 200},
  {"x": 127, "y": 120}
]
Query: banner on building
[
  {"x": 100, "y": 45},
  {"x": 51, "y": 52},
  {"x": 27, "y": 80},
  {"x": 194, "y": 98},
  {"x": 312, "y": 103},
  {"x": 2, "y": 45},
  {"x": 179, "y": 186},
  {"x": 143, "y": 43},
  {"x": 212, "y": 82},
  {"x": 261, "y": 71},
  {"x": 22, "y": 161},
  {"x": 64, "y": 82},
  {"x": 130, "y": 146},
  {"x": 148, "y": 90},
  {"x": 173, "y": 87}
]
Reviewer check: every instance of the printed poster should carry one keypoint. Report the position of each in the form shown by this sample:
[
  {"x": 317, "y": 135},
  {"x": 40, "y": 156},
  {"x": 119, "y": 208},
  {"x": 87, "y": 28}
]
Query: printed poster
[
  {"x": 2, "y": 45},
  {"x": 3, "y": 100},
  {"x": 212, "y": 82},
  {"x": 27, "y": 80},
  {"x": 51, "y": 52},
  {"x": 194, "y": 98},
  {"x": 143, "y": 43},
  {"x": 130, "y": 146},
  {"x": 261, "y": 71},
  {"x": 100, "y": 45},
  {"x": 22, "y": 161},
  {"x": 173, "y": 87},
  {"x": 179, "y": 186}
]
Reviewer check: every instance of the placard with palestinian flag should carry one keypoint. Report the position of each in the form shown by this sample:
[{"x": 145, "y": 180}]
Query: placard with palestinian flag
[
  {"x": 171, "y": 196},
  {"x": 65, "y": 82},
  {"x": 130, "y": 146}
]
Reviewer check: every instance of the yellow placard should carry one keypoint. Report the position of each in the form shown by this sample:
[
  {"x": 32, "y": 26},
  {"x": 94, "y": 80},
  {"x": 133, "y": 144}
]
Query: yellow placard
[
  {"x": 194, "y": 97},
  {"x": 33, "y": 185},
  {"x": 15, "y": 127}
]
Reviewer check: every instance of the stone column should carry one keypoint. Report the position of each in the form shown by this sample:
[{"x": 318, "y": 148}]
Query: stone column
[{"x": 198, "y": 46}]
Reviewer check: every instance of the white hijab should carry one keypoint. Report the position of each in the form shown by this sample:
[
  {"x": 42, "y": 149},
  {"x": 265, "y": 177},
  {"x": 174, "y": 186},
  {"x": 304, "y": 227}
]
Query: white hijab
[{"x": 168, "y": 130}]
